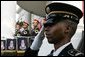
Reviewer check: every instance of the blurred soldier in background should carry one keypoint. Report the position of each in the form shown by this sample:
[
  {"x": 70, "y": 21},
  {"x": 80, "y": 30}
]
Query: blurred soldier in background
[
  {"x": 24, "y": 29},
  {"x": 35, "y": 28},
  {"x": 17, "y": 30}
]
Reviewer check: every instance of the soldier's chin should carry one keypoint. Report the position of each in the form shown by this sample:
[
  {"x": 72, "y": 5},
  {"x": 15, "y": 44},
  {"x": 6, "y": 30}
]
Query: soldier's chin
[{"x": 50, "y": 41}]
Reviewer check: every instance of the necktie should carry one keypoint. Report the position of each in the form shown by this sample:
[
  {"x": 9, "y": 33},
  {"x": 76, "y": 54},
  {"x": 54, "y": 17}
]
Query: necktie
[{"x": 51, "y": 54}]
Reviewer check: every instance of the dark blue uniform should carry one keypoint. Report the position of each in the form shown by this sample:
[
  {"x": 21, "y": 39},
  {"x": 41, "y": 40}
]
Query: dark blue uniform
[{"x": 67, "y": 51}]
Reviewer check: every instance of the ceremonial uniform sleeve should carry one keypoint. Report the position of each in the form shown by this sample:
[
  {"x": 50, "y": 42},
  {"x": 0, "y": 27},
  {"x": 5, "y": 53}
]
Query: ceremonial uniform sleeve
[
  {"x": 34, "y": 48},
  {"x": 30, "y": 52}
]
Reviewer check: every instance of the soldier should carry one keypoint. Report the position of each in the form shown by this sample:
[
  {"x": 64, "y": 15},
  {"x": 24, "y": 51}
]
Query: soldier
[
  {"x": 35, "y": 28},
  {"x": 25, "y": 31},
  {"x": 60, "y": 26},
  {"x": 18, "y": 27}
]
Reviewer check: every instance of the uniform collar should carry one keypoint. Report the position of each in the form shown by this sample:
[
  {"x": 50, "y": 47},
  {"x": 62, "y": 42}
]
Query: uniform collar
[{"x": 58, "y": 51}]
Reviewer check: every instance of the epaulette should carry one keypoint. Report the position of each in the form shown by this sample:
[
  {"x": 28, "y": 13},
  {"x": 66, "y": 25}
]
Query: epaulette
[{"x": 74, "y": 52}]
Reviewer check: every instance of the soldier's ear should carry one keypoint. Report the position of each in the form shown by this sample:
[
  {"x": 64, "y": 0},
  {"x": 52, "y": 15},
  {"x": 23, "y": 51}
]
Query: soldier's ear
[{"x": 67, "y": 29}]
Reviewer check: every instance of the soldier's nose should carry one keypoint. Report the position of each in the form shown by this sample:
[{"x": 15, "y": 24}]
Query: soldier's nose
[{"x": 47, "y": 28}]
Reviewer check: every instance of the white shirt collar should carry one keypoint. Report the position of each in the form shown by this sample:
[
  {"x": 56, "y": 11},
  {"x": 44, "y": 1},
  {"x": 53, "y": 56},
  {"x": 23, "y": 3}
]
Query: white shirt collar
[{"x": 56, "y": 53}]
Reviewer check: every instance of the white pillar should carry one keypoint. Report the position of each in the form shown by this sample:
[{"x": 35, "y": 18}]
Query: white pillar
[
  {"x": 29, "y": 22},
  {"x": 8, "y": 16}
]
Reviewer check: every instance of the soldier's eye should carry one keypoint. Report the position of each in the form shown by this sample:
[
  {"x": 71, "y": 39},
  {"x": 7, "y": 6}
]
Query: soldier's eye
[{"x": 48, "y": 24}]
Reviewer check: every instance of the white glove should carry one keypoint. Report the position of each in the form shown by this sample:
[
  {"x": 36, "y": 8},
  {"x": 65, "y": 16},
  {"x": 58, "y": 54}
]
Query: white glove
[
  {"x": 22, "y": 29},
  {"x": 38, "y": 40}
]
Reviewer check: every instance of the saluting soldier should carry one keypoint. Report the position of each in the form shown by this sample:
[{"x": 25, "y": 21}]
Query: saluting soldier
[
  {"x": 61, "y": 24},
  {"x": 35, "y": 28},
  {"x": 17, "y": 31},
  {"x": 25, "y": 31}
]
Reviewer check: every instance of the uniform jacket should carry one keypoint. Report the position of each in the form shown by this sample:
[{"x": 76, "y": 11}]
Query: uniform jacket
[{"x": 67, "y": 51}]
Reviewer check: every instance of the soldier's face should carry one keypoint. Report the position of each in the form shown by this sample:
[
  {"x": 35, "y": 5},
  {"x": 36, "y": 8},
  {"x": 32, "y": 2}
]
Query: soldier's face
[
  {"x": 55, "y": 33},
  {"x": 35, "y": 23},
  {"x": 18, "y": 27},
  {"x": 25, "y": 25}
]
